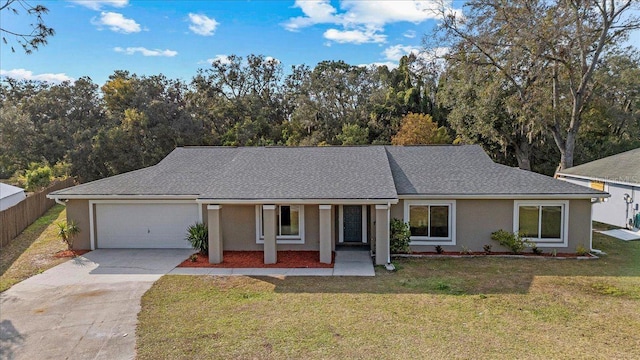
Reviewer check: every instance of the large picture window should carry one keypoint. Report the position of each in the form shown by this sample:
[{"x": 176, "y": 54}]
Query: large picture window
[
  {"x": 431, "y": 222},
  {"x": 290, "y": 224},
  {"x": 543, "y": 222}
]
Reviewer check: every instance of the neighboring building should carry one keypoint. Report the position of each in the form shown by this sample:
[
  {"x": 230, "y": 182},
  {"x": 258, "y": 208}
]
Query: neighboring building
[
  {"x": 314, "y": 198},
  {"x": 619, "y": 175},
  {"x": 10, "y": 195}
]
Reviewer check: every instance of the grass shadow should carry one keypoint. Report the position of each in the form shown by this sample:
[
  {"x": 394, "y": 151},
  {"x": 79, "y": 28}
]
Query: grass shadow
[{"x": 16, "y": 247}]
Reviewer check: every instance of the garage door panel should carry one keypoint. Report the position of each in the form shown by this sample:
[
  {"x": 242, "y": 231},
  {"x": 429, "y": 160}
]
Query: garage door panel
[{"x": 160, "y": 225}]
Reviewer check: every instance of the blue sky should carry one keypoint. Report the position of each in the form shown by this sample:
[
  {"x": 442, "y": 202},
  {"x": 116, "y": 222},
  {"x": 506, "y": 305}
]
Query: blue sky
[{"x": 94, "y": 38}]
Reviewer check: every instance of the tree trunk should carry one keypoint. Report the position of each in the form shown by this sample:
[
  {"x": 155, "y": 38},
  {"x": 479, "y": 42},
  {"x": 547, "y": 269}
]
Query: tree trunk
[
  {"x": 566, "y": 154},
  {"x": 523, "y": 155}
]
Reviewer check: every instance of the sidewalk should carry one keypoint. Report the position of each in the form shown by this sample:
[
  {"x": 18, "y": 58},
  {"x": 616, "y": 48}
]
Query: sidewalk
[{"x": 347, "y": 263}]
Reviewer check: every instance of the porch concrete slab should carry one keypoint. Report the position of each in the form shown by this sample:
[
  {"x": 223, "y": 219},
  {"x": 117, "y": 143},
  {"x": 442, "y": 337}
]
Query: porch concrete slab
[
  {"x": 353, "y": 263},
  {"x": 85, "y": 308}
]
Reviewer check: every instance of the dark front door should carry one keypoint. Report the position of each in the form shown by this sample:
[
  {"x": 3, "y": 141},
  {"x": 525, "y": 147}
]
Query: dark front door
[{"x": 352, "y": 223}]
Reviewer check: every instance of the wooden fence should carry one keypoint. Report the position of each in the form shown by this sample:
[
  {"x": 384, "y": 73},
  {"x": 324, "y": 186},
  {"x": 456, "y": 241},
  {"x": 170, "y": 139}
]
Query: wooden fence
[{"x": 16, "y": 218}]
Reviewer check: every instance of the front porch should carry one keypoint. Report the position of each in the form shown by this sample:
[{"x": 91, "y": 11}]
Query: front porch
[{"x": 297, "y": 227}]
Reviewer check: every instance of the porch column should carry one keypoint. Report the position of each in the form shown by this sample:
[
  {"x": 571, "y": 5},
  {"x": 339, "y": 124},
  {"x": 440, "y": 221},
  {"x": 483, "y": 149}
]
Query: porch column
[
  {"x": 325, "y": 234},
  {"x": 270, "y": 229},
  {"x": 382, "y": 234},
  {"x": 215, "y": 234}
]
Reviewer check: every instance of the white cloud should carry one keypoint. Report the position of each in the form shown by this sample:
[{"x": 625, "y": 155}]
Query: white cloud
[
  {"x": 409, "y": 34},
  {"x": 354, "y": 36},
  {"x": 224, "y": 59},
  {"x": 117, "y": 22},
  {"x": 362, "y": 15},
  {"x": 316, "y": 11},
  {"x": 146, "y": 52},
  {"x": 98, "y": 4},
  {"x": 389, "y": 64},
  {"x": 202, "y": 25},
  {"x": 22, "y": 74},
  {"x": 394, "y": 53}
]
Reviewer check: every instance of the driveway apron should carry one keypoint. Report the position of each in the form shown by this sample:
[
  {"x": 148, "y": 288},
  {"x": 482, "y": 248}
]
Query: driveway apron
[{"x": 85, "y": 308}]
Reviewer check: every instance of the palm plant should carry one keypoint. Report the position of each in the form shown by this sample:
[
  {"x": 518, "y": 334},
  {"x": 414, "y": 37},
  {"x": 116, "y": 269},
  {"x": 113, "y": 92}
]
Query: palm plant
[
  {"x": 67, "y": 231},
  {"x": 198, "y": 236}
]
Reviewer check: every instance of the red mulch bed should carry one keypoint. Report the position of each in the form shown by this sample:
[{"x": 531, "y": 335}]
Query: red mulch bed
[
  {"x": 255, "y": 259},
  {"x": 70, "y": 253},
  {"x": 481, "y": 253}
]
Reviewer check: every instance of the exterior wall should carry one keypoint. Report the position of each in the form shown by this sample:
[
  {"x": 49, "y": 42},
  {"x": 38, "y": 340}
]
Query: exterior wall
[
  {"x": 579, "y": 225},
  {"x": 78, "y": 211},
  {"x": 477, "y": 219},
  {"x": 239, "y": 229},
  {"x": 614, "y": 210}
]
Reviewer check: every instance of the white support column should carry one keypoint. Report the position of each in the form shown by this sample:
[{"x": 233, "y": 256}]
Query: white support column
[
  {"x": 325, "y": 234},
  {"x": 382, "y": 234},
  {"x": 270, "y": 229},
  {"x": 215, "y": 234}
]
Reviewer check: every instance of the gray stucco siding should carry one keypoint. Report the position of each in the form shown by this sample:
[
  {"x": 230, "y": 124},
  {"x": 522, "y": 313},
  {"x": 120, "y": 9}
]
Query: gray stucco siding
[{"x": 475, "y": 220}]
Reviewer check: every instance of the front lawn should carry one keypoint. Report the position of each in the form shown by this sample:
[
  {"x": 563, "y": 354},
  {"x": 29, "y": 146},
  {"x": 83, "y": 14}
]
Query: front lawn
[
  {"x": 429, "y": 308},
  {"x": 32, "y": 251}
]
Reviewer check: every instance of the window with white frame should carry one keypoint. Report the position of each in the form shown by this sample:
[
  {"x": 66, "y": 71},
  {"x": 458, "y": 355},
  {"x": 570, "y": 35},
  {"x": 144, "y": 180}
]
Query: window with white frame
[
  {"x": 543, "y": 222},
  {"x": 431, "y": 222},
  {"x": 290, "y": 224}
]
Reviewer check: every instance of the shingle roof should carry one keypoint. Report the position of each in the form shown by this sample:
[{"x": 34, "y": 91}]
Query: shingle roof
[
  {"x": 623, "y": 167},
  {"x": 351, "y": 172},
  {"x": 466, "y": 170}
]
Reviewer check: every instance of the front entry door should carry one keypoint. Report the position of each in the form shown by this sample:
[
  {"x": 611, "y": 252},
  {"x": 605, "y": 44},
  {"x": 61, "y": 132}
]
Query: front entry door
[{"x": 352, "y": 223}]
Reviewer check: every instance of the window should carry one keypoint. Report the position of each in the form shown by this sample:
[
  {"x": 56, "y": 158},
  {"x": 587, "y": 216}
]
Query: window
[
  {"x": 290, "y": 224},
  {"x": 543, "y": 222},
  {"x": 431, "y": 222}
]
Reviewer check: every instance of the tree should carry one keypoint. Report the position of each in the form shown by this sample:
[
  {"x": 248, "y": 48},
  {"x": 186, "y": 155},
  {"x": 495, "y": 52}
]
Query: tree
[
  {"x": 555, "y": 59},
  {"x": 420, "y": 129},
  {"x": 38, "y": 33},
  {"x": 353, "y": 134}
]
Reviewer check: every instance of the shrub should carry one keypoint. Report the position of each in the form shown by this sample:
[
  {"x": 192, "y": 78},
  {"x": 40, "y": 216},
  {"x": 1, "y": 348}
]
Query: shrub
[
  {"x": 439, "y": 249},
  {"x": 513, "y": 241},
  {"x": 465, "y": 250},
  {"x": 536, "y": 250},
  {"x": 198, "y": 237},
  {"x": 67, "y": 231},
  {"x": 400, "y": 237},
  {"x": 487, "y": 248},
  {"x": 581, "y": 250},
  {"x": 37, "y": 177}
]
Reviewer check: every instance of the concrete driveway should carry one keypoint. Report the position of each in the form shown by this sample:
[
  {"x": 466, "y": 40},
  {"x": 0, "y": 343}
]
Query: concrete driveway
[{"x": 85, "y": 308}]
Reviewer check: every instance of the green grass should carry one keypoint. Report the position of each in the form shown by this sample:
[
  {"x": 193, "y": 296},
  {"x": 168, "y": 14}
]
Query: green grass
[
  {"x": 429, "y": 308},
  {"x": 32, "y": 251}
]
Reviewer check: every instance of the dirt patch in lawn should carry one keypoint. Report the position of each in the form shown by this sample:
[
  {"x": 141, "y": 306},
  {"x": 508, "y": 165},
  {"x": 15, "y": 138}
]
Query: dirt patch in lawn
[
  {"x": 255, "y": 259},
  {"x": 70, "y": 253}
]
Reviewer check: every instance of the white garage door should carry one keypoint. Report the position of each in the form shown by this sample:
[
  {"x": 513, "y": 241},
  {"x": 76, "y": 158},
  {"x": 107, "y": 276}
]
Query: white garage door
[{"x": 151, "y": 225}]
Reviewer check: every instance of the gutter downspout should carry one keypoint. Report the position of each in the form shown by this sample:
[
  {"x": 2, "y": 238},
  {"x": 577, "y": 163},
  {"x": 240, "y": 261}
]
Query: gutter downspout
[{"x": 58, "y": 201}]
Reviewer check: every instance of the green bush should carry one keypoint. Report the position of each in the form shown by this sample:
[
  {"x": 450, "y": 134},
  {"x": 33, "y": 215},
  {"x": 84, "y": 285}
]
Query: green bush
[
  {"x": 198, "y": 237},
  {"x": 513, "y": 241},
  {"x": 37, "y": 177},
  {"x": 400, "y": 237},
  {"x": 581, "y": 250}
]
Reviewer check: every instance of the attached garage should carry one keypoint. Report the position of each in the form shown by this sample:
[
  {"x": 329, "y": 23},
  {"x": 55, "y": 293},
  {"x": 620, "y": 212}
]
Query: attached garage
[{"x": 143, "y": 225}]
